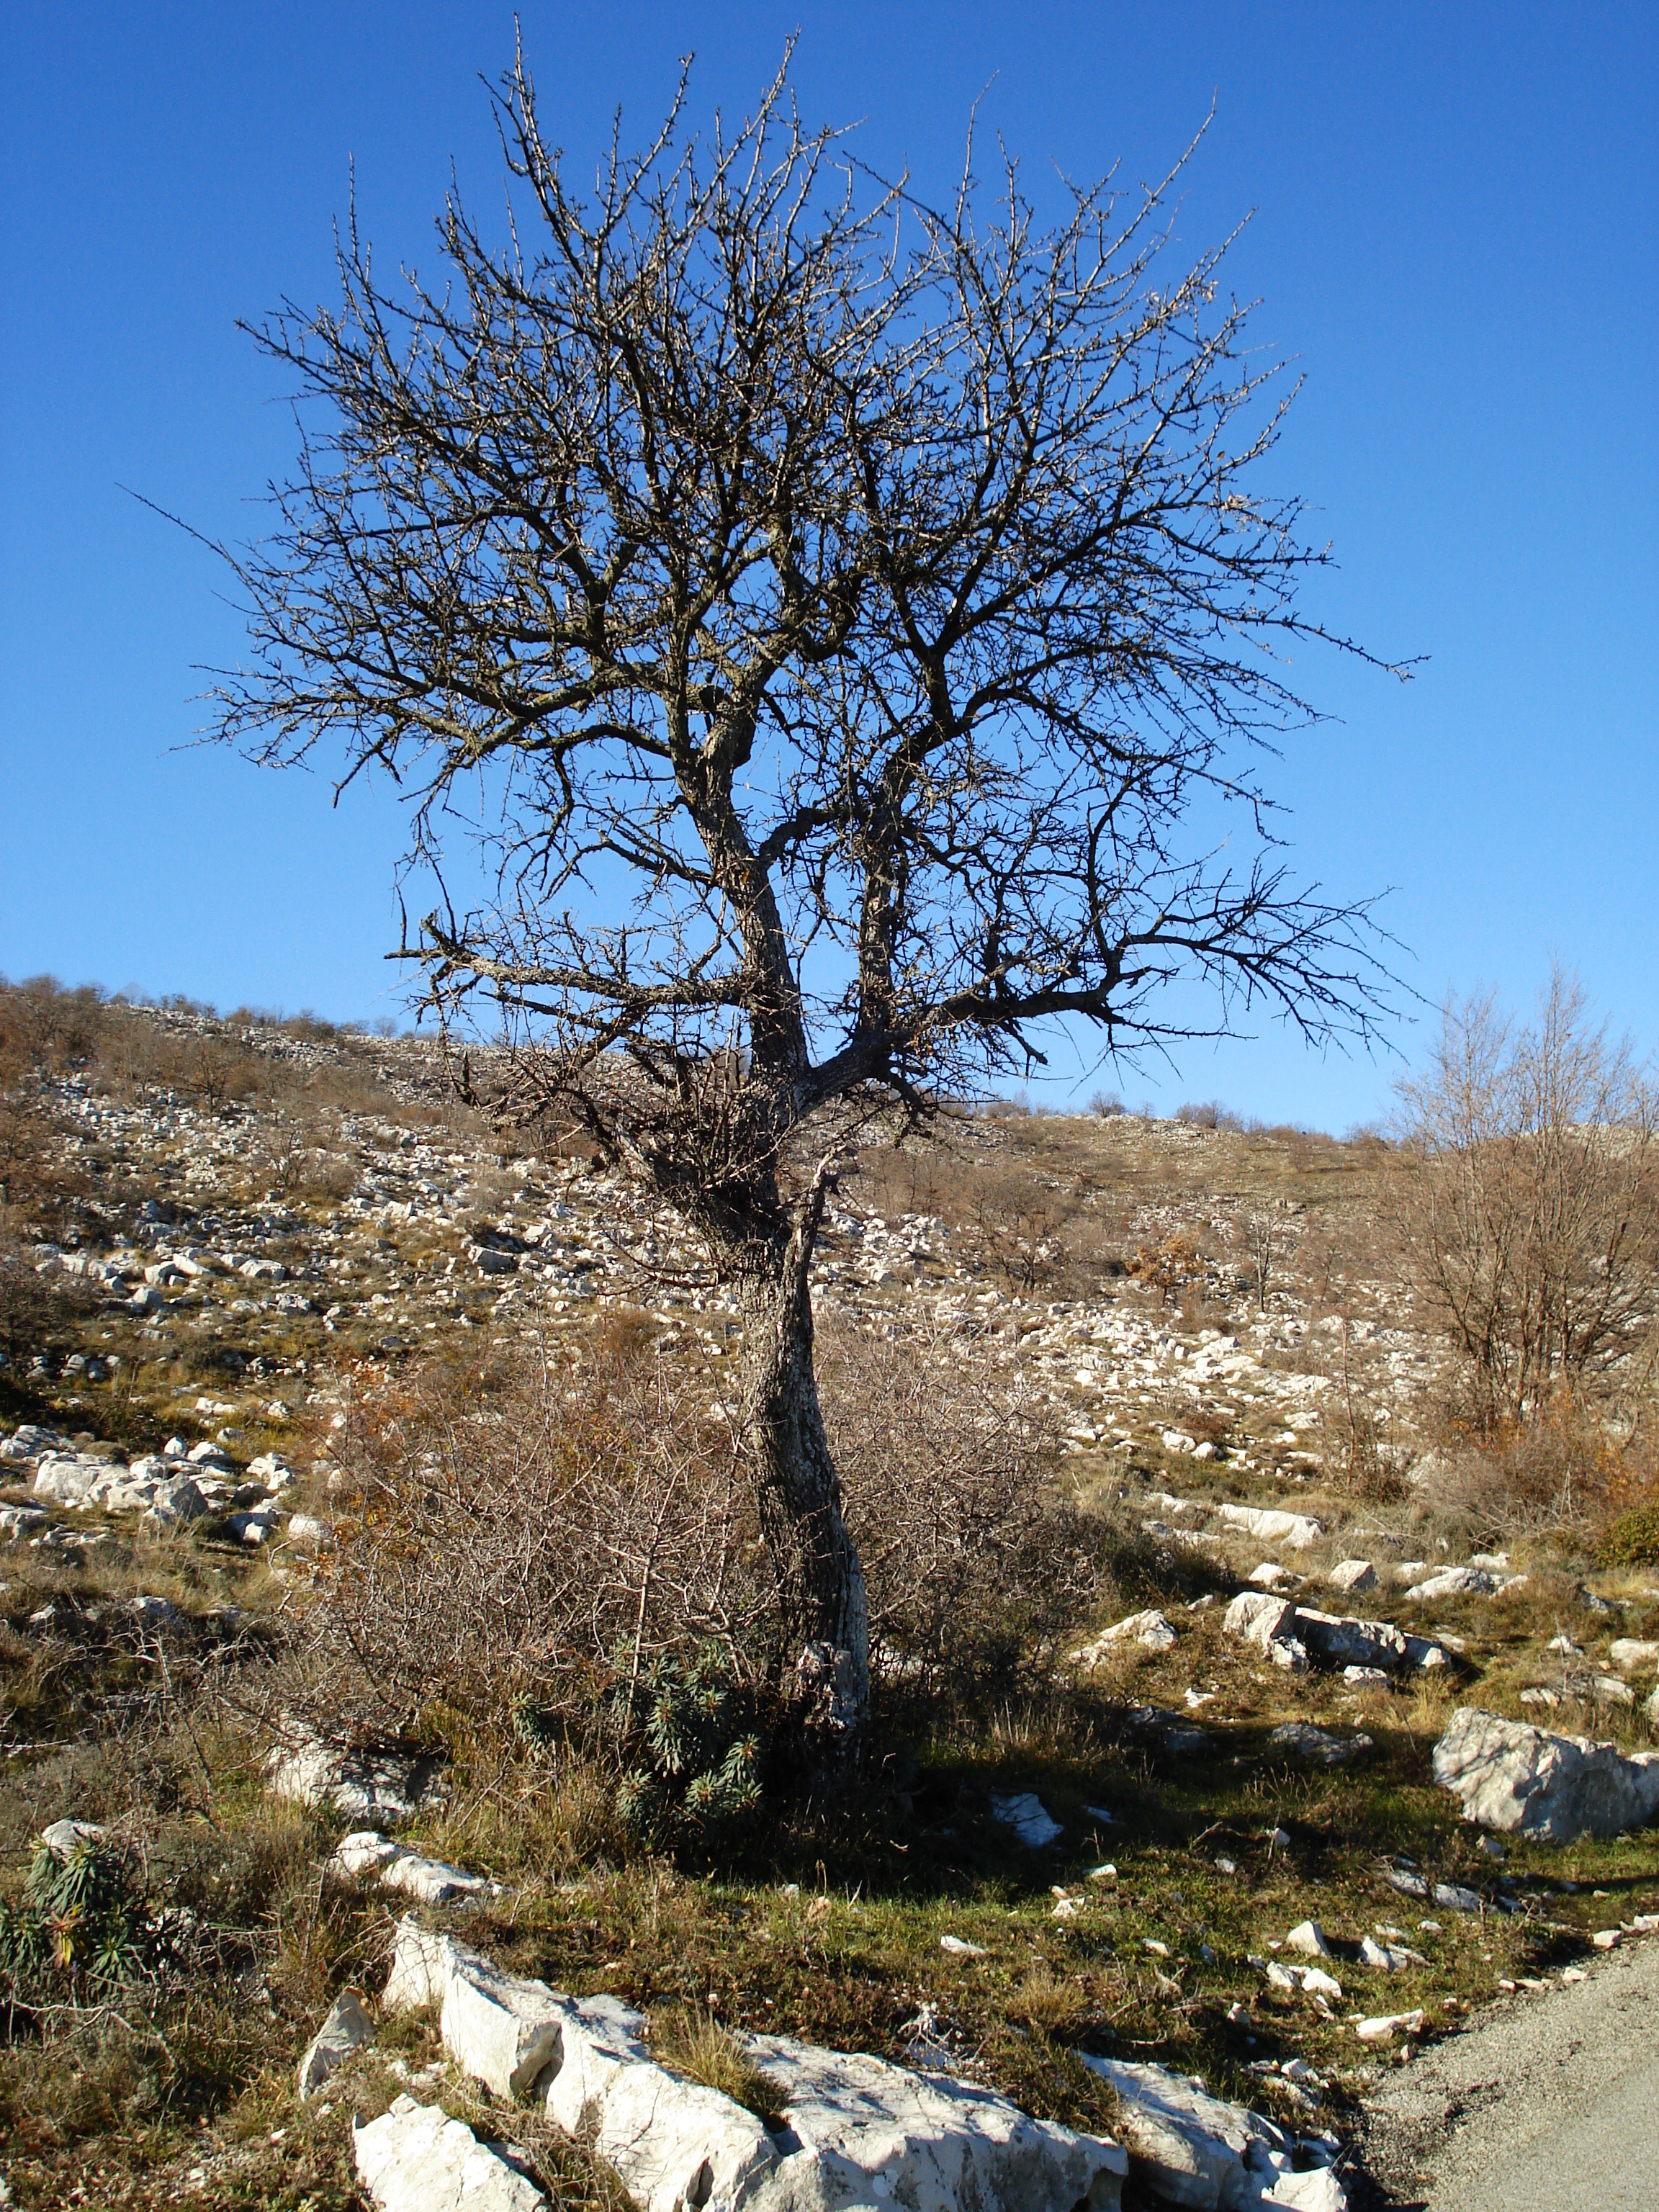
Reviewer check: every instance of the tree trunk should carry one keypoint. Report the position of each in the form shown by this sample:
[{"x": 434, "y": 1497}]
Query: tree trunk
[{"x": 820, "y": 1579}]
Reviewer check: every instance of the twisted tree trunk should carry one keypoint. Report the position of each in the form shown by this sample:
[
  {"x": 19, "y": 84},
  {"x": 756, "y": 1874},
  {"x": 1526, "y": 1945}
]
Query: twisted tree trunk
[{"x": 820, "y": 1579}]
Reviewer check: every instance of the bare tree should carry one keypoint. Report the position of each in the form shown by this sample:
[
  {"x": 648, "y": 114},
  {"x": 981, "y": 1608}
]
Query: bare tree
[
  {"x": 1527, "y": 1186},
  {"x": 829, "y": 610}
]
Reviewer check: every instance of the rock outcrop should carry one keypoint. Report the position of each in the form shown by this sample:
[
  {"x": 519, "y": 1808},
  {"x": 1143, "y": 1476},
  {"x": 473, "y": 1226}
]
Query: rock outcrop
[
  {"x": 1191, "y": 2149},
  {"x": 854, "y": 2133},
  {"x": 1510, "y": 1775},
  {"x": 1294, "y": 1635},
  {"x": 372, "y": 1783},
  {"x": 414, "y": 2159}
]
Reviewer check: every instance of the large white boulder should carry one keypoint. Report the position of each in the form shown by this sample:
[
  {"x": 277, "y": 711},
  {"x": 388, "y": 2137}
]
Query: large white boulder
[
  {"x": 1273, "y": 1526},
  {"x": 862, "y": 2134},
  {"x": 500, "y": 2029},
  {"x": 1191, "y": 2149},
  {"x": 414, "y": 2159},
  {"x": 674, "y": 2143},
  {"x": 1632, "y": 1652},
  {"x": 1510, "y": 1775}
]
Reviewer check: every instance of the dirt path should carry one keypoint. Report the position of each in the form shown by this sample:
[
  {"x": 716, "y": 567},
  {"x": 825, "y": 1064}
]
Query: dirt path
[{"x": 1551, "y": 2104}]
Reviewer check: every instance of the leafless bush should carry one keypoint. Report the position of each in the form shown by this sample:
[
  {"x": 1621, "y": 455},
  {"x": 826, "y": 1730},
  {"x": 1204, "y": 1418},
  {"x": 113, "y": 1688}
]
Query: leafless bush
[
  {"x": 972, "y": 1565},
  {"x": 1525, "y": 1189},
  {"x": 26, "y": 1306},
  {"x": 1168, "y": 1268},
  {"x": 503, "y": 1541},
  {"x": 1563, "y": 1472}
]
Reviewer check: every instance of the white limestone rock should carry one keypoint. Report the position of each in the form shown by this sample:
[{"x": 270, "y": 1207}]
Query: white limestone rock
[
  {"x": 347, "y": 2028},
  {"x": 1351, "y": 1575},
  {"x": 1278, "y": 1627},
  {"x": 367, "y": 1854},
  {"x": 429, "y": 1881},
  {"x": 62, "y": 1836},
  {"x": 1308, "y": 1937},
  {"x": 1272, "y": 1525},
  {"x": 420, "y": 1967},
  {"x": 1512, "y": 1776},
  {"x": 365, "y": 1851},
  {"x": 251, "y": 1528},
  {"x": 370, "y": 1784},
  {"x": 1191, "y": 2149},
  {"x": 1455, "y": 1582},
  {"x": 1026, "y": 1813},
  {"x": 500, "y": 2029},
  {"x": 673, "y": 2143},
  {"x": 175, "y": 1504},
  {"x": 1270, "y": 1576},
  {"x": 1257, "y": 1617},
  {"x": 1382, "y": 2027},
  {"x": 859, "y": 2133},
  {"x": 414, "y": 2159},
  {"x": 1311, "y": 1981},
  {"x": 863, "y": 2135},
  {"x": 65, "y": 1478},
  {"x": 1389, "y": 1958},
  {"x": 1151, "y": 1630},
  {"x": 1303, "y": 1741},
  {"x": 1629, "y": 1652}
]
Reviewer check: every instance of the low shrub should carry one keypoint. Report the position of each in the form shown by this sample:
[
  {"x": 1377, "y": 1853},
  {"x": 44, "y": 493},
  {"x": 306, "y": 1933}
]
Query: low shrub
[
  {"x": 1631, "y": 1540},
  {"x": 499, "y": 1534}
]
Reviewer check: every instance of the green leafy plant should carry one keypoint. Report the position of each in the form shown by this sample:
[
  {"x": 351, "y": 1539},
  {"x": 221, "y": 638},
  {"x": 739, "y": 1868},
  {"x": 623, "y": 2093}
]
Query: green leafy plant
[
  {"x": 694, "y": 1771},
  {"x": 81, "y": 1924}
]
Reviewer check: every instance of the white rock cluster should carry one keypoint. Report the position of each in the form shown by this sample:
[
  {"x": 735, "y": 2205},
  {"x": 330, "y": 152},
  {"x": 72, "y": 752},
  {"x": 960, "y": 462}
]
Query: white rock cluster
[
  {"x": 1294, "y": 1636},
  {"x": 855, "y": 2132}
]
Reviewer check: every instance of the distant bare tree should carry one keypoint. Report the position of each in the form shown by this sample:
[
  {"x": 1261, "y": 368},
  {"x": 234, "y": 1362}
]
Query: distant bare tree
[
  {"x": 829, "y": 611},
  {"x": 1264, "y": 1234},
  {"x": 1526, "y": 1185}
]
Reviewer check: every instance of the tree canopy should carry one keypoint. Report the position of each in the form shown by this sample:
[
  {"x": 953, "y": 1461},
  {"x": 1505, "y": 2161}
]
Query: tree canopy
[{"x": 831, "y": 610}]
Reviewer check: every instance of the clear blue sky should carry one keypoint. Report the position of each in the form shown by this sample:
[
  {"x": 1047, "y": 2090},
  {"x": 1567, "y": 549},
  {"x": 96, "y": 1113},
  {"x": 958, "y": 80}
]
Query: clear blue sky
[{"x": 1454, "y": 233}]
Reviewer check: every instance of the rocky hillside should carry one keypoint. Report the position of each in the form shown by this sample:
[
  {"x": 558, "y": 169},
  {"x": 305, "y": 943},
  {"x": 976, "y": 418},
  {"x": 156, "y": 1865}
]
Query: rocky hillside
[{"x": 1201, "y": 1826}]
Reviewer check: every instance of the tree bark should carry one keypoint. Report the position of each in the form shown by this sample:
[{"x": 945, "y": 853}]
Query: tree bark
[{"x": 826, "y": 1622}]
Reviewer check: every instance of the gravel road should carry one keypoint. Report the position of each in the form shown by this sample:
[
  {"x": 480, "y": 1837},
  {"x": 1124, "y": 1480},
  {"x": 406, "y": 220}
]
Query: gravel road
[{"x": 1550, "y": 2104}]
